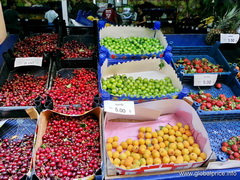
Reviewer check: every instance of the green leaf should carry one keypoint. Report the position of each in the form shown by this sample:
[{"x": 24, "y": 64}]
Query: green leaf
[
  {"x": 43, "y": 146},
  {"x": 161, "y": 65},
  {"x": 69, "y": 85},
  {"x": 83, "y": 125}
]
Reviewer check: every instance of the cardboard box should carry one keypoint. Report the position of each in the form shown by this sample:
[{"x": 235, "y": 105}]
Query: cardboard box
[
  {"x": 130, "y": 31},
  {"x": 154, "y": 114},
  {"x": 42, "y": 126},
  {"x": 148, "y": 68}
]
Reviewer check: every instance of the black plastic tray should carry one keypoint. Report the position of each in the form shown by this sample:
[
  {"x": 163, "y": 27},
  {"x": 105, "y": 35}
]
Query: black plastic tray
[
  {"x": 66, "y": 72},
  {"x": 17, "y": 123},
  {"x": 88, "y": 40},
  {"x": 6, "y": 73}
]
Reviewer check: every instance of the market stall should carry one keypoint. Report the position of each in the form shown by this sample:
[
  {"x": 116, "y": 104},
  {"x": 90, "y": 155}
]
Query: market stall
[{"x": 118, "y": 102}]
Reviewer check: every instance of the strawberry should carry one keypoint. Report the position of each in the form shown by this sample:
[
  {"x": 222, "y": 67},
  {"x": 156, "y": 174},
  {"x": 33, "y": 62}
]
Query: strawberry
[
  {"x": 197, "y": 61},
  {"x": 113, "y": 56},
  {"x": 198, "y": 100},
  {"x": 219, "y": 103},
  {"x": 223, "y": 97},
  {"x": 220, "y": 70},
  {"x": 234, "y": 148},
  {"x": 237, "y": 99},
  {"x": 208, "y": 99},
  {"x": 203, "y": 107},
  {"x": 197, "y": 66},
  {"x": 185, "y": 60},
  {"x": 225, "y": 144},
  {"x": 224, "y": 149},
  {"x": 208, "y": 94},
  {"x": 209, "y": 105},
  {"x": 231, "y": 157},
  {"x": 218, "y": 85},
  {"x": 230, "y": 152},
  {"x": 200, "y": 70},
  {"x": 236, "y": 154}
]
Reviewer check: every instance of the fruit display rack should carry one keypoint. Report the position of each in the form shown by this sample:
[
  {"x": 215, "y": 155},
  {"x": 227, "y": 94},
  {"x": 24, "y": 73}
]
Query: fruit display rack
[{"x": 214, "y": 122}]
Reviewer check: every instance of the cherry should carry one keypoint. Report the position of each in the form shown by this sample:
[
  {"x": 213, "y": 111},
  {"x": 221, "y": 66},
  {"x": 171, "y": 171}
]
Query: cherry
[
  {"x": 22, "y": 90},
  {"x": 73, "y": 49},
  {"x": 69, "y": 96},
  {"x": 35, "y": 46},
  {"x": 14, "y": 166},
  {"x": 65, "y": 159}
]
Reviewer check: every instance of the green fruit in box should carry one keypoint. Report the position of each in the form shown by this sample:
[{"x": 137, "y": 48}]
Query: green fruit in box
[
  {"x": 119, "y": 85},
  {"x": 132, "y": 45}
]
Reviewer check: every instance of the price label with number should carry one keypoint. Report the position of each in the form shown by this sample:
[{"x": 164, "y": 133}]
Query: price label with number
[
  {"x": 120, "y": 107},
  {"x": 28, "y": 61},
  {"x": 205, "y": 79},
  {"x": 229, "y": 38}
]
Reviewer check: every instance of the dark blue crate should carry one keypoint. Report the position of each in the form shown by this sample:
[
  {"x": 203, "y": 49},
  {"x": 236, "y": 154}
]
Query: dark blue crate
[
  {"x": 212, "y": 53},
  {"x": 219, "y": 132},
  {"x": 230, "y": 87}
]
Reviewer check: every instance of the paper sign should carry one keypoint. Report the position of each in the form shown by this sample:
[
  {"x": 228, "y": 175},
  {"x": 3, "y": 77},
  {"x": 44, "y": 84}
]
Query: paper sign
[
  {"x": 229, "y": 38},
  {"x": 120, "y": 107},
  {"x": 28, "y": 61},
  {"x": 205, "y": 79}
]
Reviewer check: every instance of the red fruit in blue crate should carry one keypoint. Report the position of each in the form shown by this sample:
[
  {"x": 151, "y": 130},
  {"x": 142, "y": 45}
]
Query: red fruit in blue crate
[
  {"x": 225, "y": 144},
  {"x": 224, "y": 148},
  {"x": 230, "y": 152},
  {"x": 234, "y": 148},
  {"x": 231, "y": 157},
  {"x": 236, "y": 154},
  {"x": 218, "y": 85}
]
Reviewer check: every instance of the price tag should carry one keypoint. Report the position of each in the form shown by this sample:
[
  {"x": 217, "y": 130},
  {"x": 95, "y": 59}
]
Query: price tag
[
  {"x": 28, "y": 61},
  {"x": 205, "y": 79},
  {"x": 120, "y": 107},
  {"x": 229, "y": 38}
]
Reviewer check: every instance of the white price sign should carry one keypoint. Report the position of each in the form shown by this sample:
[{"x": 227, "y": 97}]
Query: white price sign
[
  {"x": 28, "y": 61},
  {"x": 229, "y": 38},
  {"x": 205, "y": 79},
  {"x": 120, "y": 107}
]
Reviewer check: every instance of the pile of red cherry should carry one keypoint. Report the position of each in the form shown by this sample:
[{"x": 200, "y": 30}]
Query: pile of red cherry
[{"x": 70, "y": 149}]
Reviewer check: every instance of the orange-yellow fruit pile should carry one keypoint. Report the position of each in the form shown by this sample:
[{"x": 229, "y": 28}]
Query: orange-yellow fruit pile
[{"x": 171, "y": 144}]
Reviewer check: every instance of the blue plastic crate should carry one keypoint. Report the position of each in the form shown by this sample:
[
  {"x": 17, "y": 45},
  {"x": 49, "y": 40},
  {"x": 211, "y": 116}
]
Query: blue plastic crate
[
  {"x": 83, "y": 20},
  {"x": 230, "y": 87},
  {"x": 133, "y": 56},
  {"x": 212, "y": 53},
  {"x": 219, "y": 132},
  {"x": 167, "y": 56}
]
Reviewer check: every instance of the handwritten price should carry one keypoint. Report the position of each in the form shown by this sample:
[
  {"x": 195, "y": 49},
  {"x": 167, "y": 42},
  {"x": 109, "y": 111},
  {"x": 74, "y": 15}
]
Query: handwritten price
[{"x": 120, "y": 107}]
